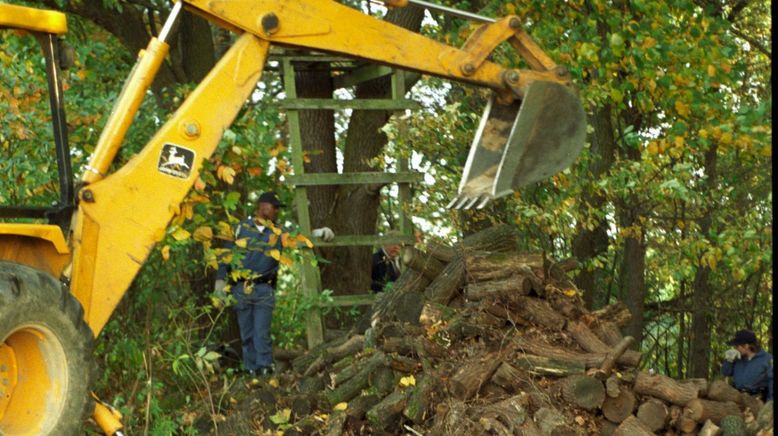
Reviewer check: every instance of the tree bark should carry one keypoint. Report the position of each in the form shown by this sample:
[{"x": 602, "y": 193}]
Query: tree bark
[
  {"x": 701, "y": 410},
  {"x": 701, "y": 292},
  {"x": 590, "y": 243},
  {"x": 654, "y": 414},
  {"x": 720, "y": 390},
  {"x": 422, "y": 262},
  {"x": 538, "y": 311},
  {"x": 506, "y": 288},
  {"x": 547, "y": 366},
  {"x": 418, "y": 406},
  {"x": 665, "y": 388},
  {"x": 353, "y": 386},
  {"x": 383, "y": 414},
  {"x": 445, "y": 286},
  {"x": 466, "y": 382},
  {"x": 632, "y": 427},
  {"x": 441, "y": 251},
  {"x": 481, "y": 266}
]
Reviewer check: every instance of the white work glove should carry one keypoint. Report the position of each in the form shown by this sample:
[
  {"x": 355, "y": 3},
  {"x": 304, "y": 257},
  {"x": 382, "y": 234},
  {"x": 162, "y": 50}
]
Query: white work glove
[
  {"x": 325, "y": 233},
  {"x": 731, "y": 354}
]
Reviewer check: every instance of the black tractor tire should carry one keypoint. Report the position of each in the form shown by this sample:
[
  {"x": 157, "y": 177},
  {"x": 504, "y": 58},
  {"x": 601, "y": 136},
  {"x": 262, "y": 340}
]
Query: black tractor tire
[{"x": 43, "y": 326}]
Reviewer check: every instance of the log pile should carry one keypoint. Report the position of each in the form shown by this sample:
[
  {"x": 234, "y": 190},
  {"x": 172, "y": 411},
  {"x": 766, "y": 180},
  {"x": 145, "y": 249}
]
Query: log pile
[{"x": 480, "y": 339}]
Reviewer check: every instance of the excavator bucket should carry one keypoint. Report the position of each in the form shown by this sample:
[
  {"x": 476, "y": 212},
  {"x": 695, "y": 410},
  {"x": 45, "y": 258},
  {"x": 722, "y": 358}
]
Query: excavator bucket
[{"x": 522, "y": 143}]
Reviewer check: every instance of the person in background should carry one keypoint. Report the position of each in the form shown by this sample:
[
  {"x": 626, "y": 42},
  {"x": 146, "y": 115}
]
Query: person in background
[
  {"x": 386, "y": 266},
  {"x": 253, "y": 285},
  {"x": 750, "y": 367}
]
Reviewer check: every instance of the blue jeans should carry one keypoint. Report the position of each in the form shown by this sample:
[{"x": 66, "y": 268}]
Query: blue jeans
[{"x": 255, "y": 313}]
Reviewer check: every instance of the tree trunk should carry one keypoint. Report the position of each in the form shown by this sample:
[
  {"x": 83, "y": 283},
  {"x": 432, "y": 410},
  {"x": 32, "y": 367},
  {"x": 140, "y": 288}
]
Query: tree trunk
[
  {"x": 701, "y": 292},
  {"x": 353, "y": 209},
  {"x": 633, "y": 268},
  {"x": 588, "y": 244},
  {"x": 665, "y": 388}
]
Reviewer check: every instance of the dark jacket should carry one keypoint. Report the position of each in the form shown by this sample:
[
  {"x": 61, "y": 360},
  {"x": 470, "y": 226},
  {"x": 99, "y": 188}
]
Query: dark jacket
[
  {"x": 383, "y": 271},
  {"x": 754, "y": 376},
  {"x": 262, "y": 268}
]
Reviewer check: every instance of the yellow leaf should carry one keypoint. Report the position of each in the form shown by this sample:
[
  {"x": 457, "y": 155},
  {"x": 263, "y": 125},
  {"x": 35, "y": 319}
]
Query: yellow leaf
[
  {"x": 652, "y": 147},
  {"x": 203, "y": 233},
  {"x": 726, "y": 138},
  {"x": 648, "y": 43},
  {"x": 703, "y": 133},
  {"x": 180, "y": 234},
  {"x": 711, "y": 70},
  {"x": 678, "y": 141},
  {"x": 275, "y": 254},
  {"x": 408, "y": 381},
  {"x": 340, "y": 406},
  {"x": 286, "y": 261},
  {"x": 682, "y": 108},
  {"x": 272, "y": 240},
  {"x": 166, "y": 252},
  {"x": 226, "y": 173},
  {"x": 569, "y": 292},
  {"x": 237, "y": 150},
  {"x": 241, "y": 242},
  {"x": 273, "y": 382}
]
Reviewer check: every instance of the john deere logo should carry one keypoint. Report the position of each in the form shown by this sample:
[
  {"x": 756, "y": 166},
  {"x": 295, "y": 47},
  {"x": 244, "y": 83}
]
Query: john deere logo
[{"x": 176, "y": 161}]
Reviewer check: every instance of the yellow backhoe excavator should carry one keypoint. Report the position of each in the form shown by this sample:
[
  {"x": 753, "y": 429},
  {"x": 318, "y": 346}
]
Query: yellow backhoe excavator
[{"x": 58, "y": 288}]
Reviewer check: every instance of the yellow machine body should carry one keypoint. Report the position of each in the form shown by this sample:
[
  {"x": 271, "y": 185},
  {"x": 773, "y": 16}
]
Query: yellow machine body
[{"x": 122, "y": 215}]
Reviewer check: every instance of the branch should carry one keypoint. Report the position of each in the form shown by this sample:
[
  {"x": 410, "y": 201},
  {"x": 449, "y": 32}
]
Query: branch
[{"x": 752, "y": 41}]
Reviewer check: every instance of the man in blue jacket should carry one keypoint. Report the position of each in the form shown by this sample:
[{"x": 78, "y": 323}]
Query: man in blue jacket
[
  {"x": 253, "y": 282},
  {"x": 750, "y": 367}
]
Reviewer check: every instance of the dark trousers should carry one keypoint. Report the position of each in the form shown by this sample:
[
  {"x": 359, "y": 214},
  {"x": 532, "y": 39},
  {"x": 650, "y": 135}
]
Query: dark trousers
[{"x": 255, "y": 314}]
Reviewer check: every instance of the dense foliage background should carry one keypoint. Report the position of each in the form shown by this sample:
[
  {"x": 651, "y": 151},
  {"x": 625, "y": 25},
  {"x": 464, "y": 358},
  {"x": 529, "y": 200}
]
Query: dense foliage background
[{"x": 668, "y": 208}]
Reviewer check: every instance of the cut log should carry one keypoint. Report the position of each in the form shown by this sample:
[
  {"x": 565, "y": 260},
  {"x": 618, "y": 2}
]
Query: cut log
[
  {"x": 420, "y": 399},
  {"x": 720, "y": 390},
  {"x": 709, "y": 429},
  {"x": 551, "y": 422},
  {"x": 404, "y": 364},
  {"x": 589, "y": 341},
  {"x": 353, "y": 345},
  {"x": 335, "y": 424},
  {"x": 482, "y": 266},
  {"x": 509, "y": 414},
  {"x": 466, "y": 382},
  {"x": 353, "y": 386},
  {"x": 700, "y": 384},
  {"x": 583, "y": 391},
  {"x": 507, "y": 377},
  {"x": 665, "y": 388},
  {"x": 446, "y": 285},
  {"x": 607, "y": 331},
  {"x": 618, "y": 409},
  {"x": 686, "y": 424},
  {"x": 617, "y": 313},
  {"x": 441, "y": 251},
  {"x": 538, "y": 311},
  {"x": 547, "y": 366},
  {"x": 572, "y": 307},
  {"x": 605, "y": 427},
  {"x": 421, "y": 262},
  {"x": 612, "y": 386},
  {"x": 674, "y": 415},
  {"x": 498, "y": 238},
  {"x": 382, "y": 380},
  {"x": 505, "y": 289},
  {"x": 654, "y": 414},
  {"x": 733, "y": 425},
  {"x": 616, "y": 353},
  {"x": 385, "y": 413},
  {"x": 302, "y": 362},
  {"x": 358, "y": 406},
  {"x": 392, "y": 303},
  {"x": 701, "y": 410},
  {"x": 539, "y": 348},
  {"x": 632, "y": 427}
]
